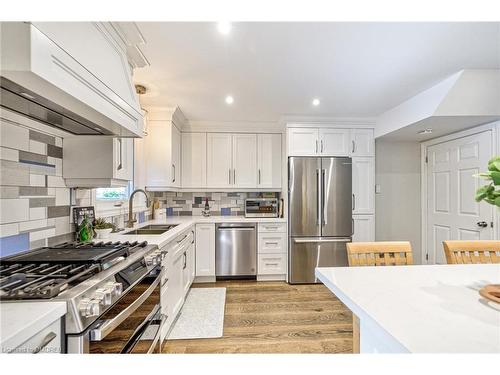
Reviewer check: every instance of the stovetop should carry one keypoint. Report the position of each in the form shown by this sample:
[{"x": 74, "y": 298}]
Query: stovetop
[{"x": 44, "y": 273}]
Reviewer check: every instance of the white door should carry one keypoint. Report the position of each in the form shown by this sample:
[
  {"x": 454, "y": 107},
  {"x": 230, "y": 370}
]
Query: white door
[
  {"x": 219, "y": 166},
  {"x": 194, "y": 160},
  {"x": 362, "y": 142},
  {"x": 176, "y": 157},
  {"x": 244, "y": 160},
  {"x": 364, "y": 228},
  {"x": 334, "y": 142},
  {"x": 205, "y": 250},
  {"x": 269, "y": 160},
  {"x": 363, "y": 185},
  {"x": 452, "y": 212},
  {"x": 303, "y": 141}
]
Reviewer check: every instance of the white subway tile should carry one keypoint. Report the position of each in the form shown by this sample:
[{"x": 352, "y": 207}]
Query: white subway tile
[
  {"x": 9, "y": 154},
  {"x": 38, "y": 147},
  {"x": 55, "y": 181},
  {"x": 14, "y": 210},
  {"x": 9, "y": 229},
  {"x": 62, "y": 225},
  {"x": 14, "y": 136},
  {"x": 62, "y": 197},
  {"x": 34, "y": 224},
  {"x": 39, "y": 235},
  {"x": 37, "y": 180},
  {"x": 38, "y": 213}
]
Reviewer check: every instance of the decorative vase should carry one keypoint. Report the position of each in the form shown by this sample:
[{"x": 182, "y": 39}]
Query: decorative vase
[{"x": 103, "y": 233}]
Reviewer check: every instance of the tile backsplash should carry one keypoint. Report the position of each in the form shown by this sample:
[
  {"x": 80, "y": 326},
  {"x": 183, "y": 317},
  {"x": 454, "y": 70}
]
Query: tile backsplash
[
  {"x": 34, "y": 201},
  {"x": 192, "y": 204}
]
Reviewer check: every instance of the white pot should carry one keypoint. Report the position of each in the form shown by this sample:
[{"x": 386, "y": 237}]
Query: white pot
[{"x": 103, "y": 233}]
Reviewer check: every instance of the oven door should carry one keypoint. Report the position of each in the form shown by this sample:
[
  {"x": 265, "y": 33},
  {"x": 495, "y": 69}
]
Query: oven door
[{"x": 133, "y": 324}]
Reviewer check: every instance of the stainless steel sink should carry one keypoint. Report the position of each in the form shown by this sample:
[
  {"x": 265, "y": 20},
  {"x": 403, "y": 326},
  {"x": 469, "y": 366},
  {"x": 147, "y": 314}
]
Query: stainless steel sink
[{"x": 153, "y": 229}]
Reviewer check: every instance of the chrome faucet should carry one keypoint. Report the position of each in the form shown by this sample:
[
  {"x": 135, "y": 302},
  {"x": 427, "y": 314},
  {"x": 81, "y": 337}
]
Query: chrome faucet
[{"x": 131, "y": 220}]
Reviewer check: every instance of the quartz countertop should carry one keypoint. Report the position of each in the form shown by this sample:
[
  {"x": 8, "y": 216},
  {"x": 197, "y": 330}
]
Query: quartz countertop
[
  {"x": 21, "y": 320},
  {"x": 182, "y": 223},
  {"x": 424, "y": 309}
]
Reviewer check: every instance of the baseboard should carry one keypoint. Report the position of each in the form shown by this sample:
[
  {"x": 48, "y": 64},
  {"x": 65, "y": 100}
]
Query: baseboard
[
  {"x": 271, "y": 277},
  {"x": 204, "y": 279}
]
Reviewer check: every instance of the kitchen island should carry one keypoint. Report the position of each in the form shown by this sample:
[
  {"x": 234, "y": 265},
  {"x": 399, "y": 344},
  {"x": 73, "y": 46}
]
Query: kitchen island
[{"x": 419, "y": 309}]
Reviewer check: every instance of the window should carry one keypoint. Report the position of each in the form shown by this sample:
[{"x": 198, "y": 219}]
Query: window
[{"x": 112, "y": 194}]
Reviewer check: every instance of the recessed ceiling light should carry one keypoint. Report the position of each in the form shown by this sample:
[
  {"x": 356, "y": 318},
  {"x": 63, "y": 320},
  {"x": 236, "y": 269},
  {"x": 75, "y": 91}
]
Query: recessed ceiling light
[
  {"x": 229, "y": 99},
  {"x": 224, "y": 27},
  {"x": 315, "y": 102},
  {"x": 425, "y": 131}
]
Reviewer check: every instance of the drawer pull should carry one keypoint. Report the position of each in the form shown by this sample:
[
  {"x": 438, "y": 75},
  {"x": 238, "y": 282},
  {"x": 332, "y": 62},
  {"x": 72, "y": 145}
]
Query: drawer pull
[
  {"x": 272, "y": 243},
  {"x": 273, "y": 259},
  {"x": 46, "y": 341},
  {"x": 272, "y": 264}
]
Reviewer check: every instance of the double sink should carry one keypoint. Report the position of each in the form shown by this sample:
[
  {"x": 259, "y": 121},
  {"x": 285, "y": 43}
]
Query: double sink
[{"x": 152, "y": 229}]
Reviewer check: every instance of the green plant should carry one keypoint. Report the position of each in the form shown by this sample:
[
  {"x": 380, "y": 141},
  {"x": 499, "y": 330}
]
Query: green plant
[
  {"x": 490, "y": 193},
  {"x": 100, "y": 223}
]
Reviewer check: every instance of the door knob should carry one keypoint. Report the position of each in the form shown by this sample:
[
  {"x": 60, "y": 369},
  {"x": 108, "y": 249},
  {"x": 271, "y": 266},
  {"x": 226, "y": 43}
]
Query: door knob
[{"x": 482, "y": 224}]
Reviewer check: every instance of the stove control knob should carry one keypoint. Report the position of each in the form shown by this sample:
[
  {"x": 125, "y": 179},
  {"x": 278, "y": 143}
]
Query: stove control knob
[
  {"x": 151, "y": 260},
  {"x": 103, "y": 295},
  {"x": 116, "y": 288},
  {"x": 89, "y": 307}
]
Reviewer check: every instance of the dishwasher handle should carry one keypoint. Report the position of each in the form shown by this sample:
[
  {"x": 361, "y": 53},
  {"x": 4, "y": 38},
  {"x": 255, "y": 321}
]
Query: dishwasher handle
[{"x": 236, "y": 228}]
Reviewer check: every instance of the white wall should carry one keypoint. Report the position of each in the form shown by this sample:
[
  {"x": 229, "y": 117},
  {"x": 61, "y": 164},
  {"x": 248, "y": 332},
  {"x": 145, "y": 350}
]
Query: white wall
[{"x": 397, "y": 171}]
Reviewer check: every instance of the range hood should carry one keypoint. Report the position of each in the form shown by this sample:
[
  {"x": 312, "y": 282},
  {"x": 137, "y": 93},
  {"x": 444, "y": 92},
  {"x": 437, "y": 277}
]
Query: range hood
[
  {"x": 51, "y": 74},
  {"x": 465, "y": 99}
]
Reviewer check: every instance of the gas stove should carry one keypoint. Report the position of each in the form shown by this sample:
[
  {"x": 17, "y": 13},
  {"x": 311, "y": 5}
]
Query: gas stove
[{"x": 90, "y": 277}]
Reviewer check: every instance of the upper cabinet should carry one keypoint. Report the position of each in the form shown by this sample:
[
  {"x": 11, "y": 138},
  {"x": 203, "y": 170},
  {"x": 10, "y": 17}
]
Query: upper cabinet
[
  {"x": 363, "y": 185},
  {"x": 219, "y": 160},
  {"x": 79, "y": 69},
  {"x": 245, "y": 160},
  {"x": 194, "y": 160},
  {"x": 162, "y": 150},
  {"x": 330, "y": 141},
  {"x": 269, "y": 161},
  {"x": 98, "y": 161}
]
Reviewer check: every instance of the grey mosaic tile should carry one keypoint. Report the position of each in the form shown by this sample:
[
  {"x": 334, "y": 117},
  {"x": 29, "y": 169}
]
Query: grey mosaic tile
[
  {"x": 9, "y": 192},
  {"x": 31, "y": 156},
  {"x": 58, "y": 211},
  {"x": 54, "y": 151},
  {"x": 42, "y": 202},
  {"x": 38, "y": 243},
  {"x": 41, "y": 137},
  {"x": 56, "y": 240},
  {"x": 25, "y": 191},
  {"x": 49, "y": 170}
]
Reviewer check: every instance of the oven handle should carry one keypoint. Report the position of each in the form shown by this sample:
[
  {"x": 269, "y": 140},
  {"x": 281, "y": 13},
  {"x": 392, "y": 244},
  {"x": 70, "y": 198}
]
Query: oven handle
[
  {"x": 109, "y": 325},
  {"x": 142, "y": 328}
]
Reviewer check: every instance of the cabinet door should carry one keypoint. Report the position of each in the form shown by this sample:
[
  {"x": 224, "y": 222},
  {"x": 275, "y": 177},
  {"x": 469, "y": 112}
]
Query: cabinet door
[
  {"x": 176, "y": 157},
  {"x": 159, "y": 154},
  {"x": 269, "y": 161},
  {"x": 362, "y": 142},
  {"x": 303, "y": 142},
  {"x": 123, "y": 150},
  {"x": 219, "y": 167},
  {"x": 194, "y": 160},
  {"x": 205, "y": 249},
  {"x": 245, "y": 160},
  {"x": 364, "y": 228},
  {"x": 334, "y": 142},
  {"x": 363, "y": 185},
  {"x": 176, "y": 284}
]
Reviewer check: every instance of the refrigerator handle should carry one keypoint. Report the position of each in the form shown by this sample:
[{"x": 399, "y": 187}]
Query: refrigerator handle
[
  {"x": 325, "y": 207},
  {"x": 318, "y": 197}
]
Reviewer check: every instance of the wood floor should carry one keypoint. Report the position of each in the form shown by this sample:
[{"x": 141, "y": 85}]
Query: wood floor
[{"x": 275, "y": 317}]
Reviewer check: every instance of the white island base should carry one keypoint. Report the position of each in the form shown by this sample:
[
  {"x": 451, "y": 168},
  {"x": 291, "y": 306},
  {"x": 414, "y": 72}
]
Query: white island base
[{"x": 419, "y": 309}]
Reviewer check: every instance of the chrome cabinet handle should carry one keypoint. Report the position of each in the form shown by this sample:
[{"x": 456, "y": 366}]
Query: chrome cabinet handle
[
  {"x": 321, "y": 146},
  {"x": 185, "y": 261},
  {"x": 352, "y": 226},
  {"x": 353, "y": 201},
  {"x": 120, "y": 156},
  {"x": 316, "y": 146},
  {"x": 234, "y": 176},
  {"x": 259, "y": 176},
  {"x": 173, "y": 169},
  {"x": 229, "y": 174},
  {"x": 353, "y": 146},
  {"x": 46, "y": 341}
]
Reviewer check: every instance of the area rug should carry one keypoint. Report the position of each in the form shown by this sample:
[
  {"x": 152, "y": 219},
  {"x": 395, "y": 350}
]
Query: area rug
[{"x": 202, "y": 315}]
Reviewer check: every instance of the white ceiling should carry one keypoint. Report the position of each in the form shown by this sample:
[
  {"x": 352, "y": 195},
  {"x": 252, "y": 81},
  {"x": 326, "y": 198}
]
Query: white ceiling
[{"x": 275, "y": 69}]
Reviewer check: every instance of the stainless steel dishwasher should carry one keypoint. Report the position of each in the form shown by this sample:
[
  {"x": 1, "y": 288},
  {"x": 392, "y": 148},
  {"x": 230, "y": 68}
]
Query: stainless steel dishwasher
[{"x": 236, "y": 250}]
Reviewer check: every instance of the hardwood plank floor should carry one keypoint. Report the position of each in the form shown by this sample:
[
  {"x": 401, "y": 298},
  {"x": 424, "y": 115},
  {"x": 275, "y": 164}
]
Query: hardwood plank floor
[{"x": 275, "y": 317}]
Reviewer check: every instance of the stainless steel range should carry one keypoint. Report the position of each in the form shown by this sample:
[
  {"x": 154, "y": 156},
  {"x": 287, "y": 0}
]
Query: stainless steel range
[{"x": 111, "y": 289}]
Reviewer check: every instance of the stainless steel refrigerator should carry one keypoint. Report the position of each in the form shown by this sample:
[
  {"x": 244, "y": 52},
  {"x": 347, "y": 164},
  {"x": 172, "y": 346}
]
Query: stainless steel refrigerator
[{"x": 319, "y": 216}]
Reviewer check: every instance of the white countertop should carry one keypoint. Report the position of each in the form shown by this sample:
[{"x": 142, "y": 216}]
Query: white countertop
[
  {"x": 21, "y": 320},
  {"x": 182, "y": 222},
  {"x": 426, "y": 309}
]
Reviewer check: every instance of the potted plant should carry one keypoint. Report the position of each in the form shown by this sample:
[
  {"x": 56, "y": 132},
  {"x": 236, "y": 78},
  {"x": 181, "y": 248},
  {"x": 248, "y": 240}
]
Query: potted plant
[
  {"x": 491, "y": 192},
  {"x": 85, "y": 230},
  {"x": 102, "y": 228}
]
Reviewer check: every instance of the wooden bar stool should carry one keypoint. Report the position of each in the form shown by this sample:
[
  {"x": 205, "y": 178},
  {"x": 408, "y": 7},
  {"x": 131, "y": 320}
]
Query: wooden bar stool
[
  {"x": 472, "y": 252},
  {"x": 384, "y": 253}
]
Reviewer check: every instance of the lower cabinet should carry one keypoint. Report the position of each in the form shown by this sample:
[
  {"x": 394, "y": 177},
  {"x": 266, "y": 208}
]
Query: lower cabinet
[
  {"x": 364, "y": 228},
  {"x": 271, "y": 251},
  {"x": 46, "y": 341},
  {"x": 205, "y": 252}
]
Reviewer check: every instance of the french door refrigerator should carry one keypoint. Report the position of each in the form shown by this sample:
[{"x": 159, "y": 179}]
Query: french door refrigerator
[{"x": 320, "y": 215}]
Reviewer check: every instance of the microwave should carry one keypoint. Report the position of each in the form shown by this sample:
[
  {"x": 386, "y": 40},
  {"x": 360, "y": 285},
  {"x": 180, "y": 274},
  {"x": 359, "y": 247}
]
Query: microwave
[{"x": 261, "y": 207}]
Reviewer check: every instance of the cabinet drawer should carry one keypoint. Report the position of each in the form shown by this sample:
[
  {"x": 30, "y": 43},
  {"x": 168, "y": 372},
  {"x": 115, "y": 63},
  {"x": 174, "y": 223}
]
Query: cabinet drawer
[
  {"x": 47, "y": 341},
  {"x": 272, "y": 227},
  {"x": 272, "y": 264},
  {"x": 272, "y": 243}
]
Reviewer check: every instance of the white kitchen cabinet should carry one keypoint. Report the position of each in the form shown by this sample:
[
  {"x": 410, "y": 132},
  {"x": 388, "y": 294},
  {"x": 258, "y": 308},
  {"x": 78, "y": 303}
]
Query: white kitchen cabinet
[
  {"x": 272, "y": 264},
  {"x": 205, "y": 250},
  {"x": 188, "y": 268},
  {"x": 303, "y": 141},
  {"x": 194, "y": 160},
  {"x": 269, "y": 161},
  {"x": 271, "y": 251},
  {"x": 162, "y": 153},
  {"x": 363, "y": 185},
  {"x": 111, "y": 163},
  {"x": 334, "y": 142},
  {"x": 219, "y": 160},
  {"x": 271, "y": 242},
  {"x": 176, "y": 283},
  {"x": 364, "y": 228},
  {"x": 362, "y": 142},
  {"x": 244, "y": 155}
]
